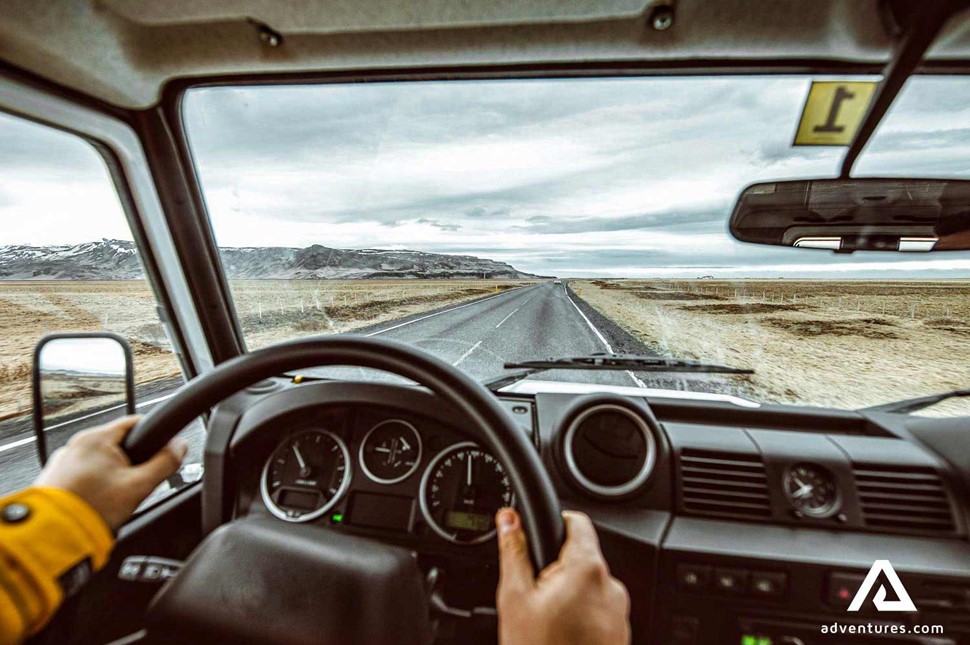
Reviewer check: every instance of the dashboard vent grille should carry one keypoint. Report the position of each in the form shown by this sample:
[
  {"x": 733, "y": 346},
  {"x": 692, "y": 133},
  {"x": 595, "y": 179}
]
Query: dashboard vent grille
[
  {"x": 724, "y": 484},
  {"x": 905, "y": 499}
]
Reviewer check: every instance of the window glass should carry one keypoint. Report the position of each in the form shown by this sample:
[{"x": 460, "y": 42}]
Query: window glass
[
  {"x": 68, "y": 263},
  {"x": 499, "y": 221}
]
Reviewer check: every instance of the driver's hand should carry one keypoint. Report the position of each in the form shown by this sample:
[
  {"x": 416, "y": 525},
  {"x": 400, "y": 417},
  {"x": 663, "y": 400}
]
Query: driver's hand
[
  {"x": 574, "y": 600},
  {"x": 94, "y": 467}
]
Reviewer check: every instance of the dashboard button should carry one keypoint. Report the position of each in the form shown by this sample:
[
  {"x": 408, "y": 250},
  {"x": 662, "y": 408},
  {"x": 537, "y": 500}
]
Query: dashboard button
[
  {"x": 843, "y": 587},
  {"x": 768, "y": 585},
  {"x": 683, "y": 630},
  {"x": 693, "y": 577},
  {"x": 732, "y": 581}
]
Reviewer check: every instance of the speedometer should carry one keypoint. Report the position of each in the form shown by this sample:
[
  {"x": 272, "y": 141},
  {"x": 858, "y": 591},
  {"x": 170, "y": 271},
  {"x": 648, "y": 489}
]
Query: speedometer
[
  {"x": 461, "y": 490},
  {"x": 306, "y": 475}
]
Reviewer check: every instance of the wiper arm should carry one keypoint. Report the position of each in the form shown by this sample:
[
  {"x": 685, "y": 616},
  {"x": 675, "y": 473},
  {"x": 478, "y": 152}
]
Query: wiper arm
[
  {"x": 908, "y": 406},
  {"x": 609, "y": 362}
]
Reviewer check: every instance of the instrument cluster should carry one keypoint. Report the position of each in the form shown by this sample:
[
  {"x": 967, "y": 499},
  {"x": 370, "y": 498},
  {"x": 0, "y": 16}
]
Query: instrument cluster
[{"x": 394, "y": 473}]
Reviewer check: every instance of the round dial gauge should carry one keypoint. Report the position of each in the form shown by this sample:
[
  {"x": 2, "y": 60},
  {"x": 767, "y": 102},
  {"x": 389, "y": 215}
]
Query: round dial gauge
[
  {"x": 461, "y": 490},
  {"x": 390, "y": 452},
  {"x": 812, "y": 490},
  {"x": 306, "y": 475}
]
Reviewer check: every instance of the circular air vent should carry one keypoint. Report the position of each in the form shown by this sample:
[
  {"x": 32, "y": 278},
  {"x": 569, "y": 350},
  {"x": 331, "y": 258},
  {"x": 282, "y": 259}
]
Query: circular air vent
[{"x": 609, "y": 450}]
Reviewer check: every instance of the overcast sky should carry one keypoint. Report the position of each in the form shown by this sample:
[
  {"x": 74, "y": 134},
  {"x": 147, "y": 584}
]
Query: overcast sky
[{"x": 632, "y": 177}]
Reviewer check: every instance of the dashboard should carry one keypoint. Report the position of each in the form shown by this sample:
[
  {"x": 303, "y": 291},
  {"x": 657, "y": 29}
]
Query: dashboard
[{"x": 726, "y": 523}]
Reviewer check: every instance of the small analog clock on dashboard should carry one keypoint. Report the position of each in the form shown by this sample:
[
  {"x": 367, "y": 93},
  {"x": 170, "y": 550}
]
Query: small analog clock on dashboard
[{"x": 812, "y": 491}]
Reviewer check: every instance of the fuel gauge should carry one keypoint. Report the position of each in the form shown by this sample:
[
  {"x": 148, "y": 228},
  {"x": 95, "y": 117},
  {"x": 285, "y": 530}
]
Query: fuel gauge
[{"x": 390, "y": 452}]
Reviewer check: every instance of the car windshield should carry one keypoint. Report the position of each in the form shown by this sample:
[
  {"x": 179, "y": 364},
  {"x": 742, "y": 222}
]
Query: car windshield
[{"x": 514, "y": 220}]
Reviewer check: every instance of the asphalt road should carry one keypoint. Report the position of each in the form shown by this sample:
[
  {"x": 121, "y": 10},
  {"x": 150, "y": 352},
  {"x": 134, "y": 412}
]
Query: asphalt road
[{"x": 534, "y": 322}]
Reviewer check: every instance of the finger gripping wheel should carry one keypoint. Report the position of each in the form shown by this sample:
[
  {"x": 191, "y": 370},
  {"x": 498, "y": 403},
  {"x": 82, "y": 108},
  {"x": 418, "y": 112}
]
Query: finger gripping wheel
[{"x": 491, "y": 424}]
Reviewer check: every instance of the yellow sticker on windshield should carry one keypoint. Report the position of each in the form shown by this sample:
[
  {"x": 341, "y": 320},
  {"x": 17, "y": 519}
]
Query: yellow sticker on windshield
[{"x": 833, "y": 112}]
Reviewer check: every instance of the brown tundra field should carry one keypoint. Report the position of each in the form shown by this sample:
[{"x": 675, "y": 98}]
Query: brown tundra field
[
  {"x": 844, "y": 344},
  {"x": 830, "y": 343},
  {"x": 269, "y": 311}
]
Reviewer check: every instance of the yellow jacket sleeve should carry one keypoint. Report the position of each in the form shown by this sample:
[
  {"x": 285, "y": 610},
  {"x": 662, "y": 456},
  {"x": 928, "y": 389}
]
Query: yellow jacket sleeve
[{"x": 51, "y": 541}]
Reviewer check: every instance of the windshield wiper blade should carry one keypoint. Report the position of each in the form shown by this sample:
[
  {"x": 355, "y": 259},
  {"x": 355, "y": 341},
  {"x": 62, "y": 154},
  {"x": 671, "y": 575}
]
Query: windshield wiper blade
[
  {"x": 907, "y": 406},
  {"x": 609, "y": 362},
  {"x": 628, "y": 362}
]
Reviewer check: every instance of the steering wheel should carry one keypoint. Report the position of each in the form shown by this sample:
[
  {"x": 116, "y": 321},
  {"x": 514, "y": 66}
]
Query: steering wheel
[{"x": 491, "y": 426}]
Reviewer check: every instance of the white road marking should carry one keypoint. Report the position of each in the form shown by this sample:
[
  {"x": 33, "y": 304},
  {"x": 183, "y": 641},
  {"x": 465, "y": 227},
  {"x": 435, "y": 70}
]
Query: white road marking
[
  {"x": 467, "y": 354},
  {"x": 603, "y": 340},
  {"x": 637, "y": 380},
  {"x": 596, "y": 331},
  {"x": 507, "y": 317},
  {"x": 446, "y": 311},
  {"x": 21, "y": 442}
]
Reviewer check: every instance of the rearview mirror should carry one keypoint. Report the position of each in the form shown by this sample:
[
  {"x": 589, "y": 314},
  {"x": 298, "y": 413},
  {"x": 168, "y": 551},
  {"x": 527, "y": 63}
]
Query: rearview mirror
[
  {"x": 79, "y": 380},
  {"x": 846, "y": 215}
]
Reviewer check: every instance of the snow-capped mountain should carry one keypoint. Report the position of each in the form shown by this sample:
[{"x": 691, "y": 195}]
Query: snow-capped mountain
[{"x": 118, "y": 260}]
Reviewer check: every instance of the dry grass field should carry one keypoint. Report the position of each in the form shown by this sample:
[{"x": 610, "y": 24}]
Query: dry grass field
[
  {"x": 829, "y": 343},
  {"x": 66, "y": 394},
  {"x": 269, "y": 311},
  {"x": 843, "y": 344}
]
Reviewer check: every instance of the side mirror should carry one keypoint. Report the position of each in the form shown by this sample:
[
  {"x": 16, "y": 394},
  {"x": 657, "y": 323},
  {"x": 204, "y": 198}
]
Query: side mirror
[{"x": 79, "y": 380}]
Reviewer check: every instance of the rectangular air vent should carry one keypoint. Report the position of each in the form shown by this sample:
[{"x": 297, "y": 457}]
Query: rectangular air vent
[
  {"x": 903, "y": 498},
  {"x": 724, "y": 484}
]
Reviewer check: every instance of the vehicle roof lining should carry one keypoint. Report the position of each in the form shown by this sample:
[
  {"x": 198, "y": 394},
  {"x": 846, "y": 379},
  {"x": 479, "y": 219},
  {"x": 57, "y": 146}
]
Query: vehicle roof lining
[{"x": 124, "y": 52}]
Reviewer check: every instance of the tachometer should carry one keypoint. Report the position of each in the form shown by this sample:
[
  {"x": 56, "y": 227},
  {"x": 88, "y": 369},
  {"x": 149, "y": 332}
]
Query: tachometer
[
  {"x": 306, "y": 475},
  {"x": 461, "y": 490}
]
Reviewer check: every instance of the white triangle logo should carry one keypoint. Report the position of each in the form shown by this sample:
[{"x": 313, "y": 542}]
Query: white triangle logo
[{"x": 904, "y": 602}]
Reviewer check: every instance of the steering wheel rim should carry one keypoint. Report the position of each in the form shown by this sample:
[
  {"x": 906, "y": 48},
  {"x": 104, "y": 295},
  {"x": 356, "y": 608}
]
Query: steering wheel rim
[{"x": 493, "y": 427}]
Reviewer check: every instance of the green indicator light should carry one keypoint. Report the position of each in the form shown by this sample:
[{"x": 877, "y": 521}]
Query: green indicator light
[
  {"x": 337, "y": 518},
  {"x": 751, "y": 639}
]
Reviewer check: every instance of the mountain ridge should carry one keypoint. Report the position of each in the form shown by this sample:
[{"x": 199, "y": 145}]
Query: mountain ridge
[{"x": 108, "y": 259}]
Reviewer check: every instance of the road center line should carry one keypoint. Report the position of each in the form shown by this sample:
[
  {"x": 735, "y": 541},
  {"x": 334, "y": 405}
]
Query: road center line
[
  {"x": 506, "y": 318},
  {"x": 603, "y": 340},
  {"x": 467, "y": 304},
  {"x": 467, "y": 354}
]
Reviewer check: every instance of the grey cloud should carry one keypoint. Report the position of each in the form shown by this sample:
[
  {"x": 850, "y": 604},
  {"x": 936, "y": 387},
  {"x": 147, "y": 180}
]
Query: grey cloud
[
  {"x": 696, "y": 221},
  {"x": 608, "y": 161},
  {"x": 438, "y": 224}
]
